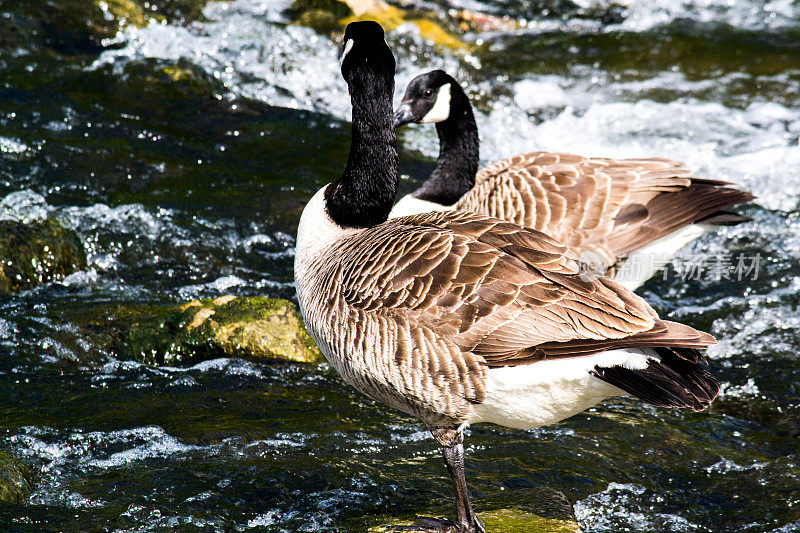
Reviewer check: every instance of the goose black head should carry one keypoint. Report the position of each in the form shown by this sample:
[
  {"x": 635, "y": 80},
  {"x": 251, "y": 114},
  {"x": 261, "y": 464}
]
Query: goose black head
[
  {"x": 365, "y": 54},
  {"x": 430, "y": 97}
]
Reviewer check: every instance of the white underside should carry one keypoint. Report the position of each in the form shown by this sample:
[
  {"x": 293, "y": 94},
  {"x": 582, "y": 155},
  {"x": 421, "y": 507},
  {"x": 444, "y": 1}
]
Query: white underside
[
  {"x": 408, "y": 205},
  {"x": 529, "y": 396},
  {"x": 642, "y": 264}
]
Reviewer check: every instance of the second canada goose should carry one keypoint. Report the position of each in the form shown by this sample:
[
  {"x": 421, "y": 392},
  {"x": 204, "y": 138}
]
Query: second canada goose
[
  {"x": 607, "y": 210},
  {"x": 459, "y": 318}
]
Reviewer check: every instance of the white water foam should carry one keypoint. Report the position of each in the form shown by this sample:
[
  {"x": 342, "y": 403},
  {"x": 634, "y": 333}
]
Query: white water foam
[
  {"x": 642, "y": 15},
  {"x": 11, "y": 146},
  {"x": 288, "y": 66},
  {"x": 726, "y": 465},
  {"x": 749, "y": 147},
  {"x": 753, "y": 329},
  {"x": 283, "y": 65},
  {"x": 24, "y": 206},
  {"x": 63, "y": 455},
  {"x": 745, "y": 390},
  {"x": 626, "y": 507},
  {"x": 587, "y": 112},
  {"x": 154, "y": 442},
  {"x": 793, "y": 527}
]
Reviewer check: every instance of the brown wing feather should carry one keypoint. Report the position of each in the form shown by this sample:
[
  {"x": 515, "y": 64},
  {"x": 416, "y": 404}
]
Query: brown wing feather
[
  {"x": 499, "y": 291},
  {"x": 609, "y": 206},
  {"x": 449, "y": 295}
]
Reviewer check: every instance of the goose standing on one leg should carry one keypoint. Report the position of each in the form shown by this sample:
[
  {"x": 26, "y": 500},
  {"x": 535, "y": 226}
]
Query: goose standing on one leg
[
  {"x": 458, "y": 318},
  {"x": 607, "y": 210}
]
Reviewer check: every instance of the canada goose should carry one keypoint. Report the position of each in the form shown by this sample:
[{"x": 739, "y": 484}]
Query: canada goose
[
  {"x": 459, "y": 318},
  {"x": 607, "y": 210}
]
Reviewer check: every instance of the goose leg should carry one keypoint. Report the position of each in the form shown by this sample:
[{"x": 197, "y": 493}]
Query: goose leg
[
  {"x": 453, "y": 451},
  {"x": 466, "y": 519}
]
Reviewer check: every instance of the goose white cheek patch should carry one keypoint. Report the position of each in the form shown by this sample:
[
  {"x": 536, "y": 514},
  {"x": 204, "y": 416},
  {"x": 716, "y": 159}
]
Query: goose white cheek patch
[
  {"x": 347, "y": 47},
  {"x": 441, "y": 109}
]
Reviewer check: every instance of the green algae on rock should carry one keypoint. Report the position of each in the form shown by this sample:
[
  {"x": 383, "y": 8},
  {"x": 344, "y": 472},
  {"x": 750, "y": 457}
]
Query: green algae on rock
[
  {"x": 517, "y": 521},
  {"x": 499, "y": 521},
  {"x": 34, "y": 253},
  {"x": 254, "y": 328},
  {"x": 15, "y": 478},
  {"x": 536, "y": 510}
]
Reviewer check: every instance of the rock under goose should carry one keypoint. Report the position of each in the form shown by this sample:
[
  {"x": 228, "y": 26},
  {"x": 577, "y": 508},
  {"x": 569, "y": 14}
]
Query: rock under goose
[
  {"x": 608, "y": 210},
  {"x": 459, "y": 318}
]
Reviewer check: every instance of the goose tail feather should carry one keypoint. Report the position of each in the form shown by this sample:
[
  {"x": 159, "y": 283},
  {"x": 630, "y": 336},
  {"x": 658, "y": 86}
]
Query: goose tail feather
[{"x": 679, "y": 377}]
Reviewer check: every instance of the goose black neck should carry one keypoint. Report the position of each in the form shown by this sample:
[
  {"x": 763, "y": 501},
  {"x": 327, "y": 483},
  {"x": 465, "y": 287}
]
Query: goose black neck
[
  {"x": 459, "y": 153},
  {"x": 364, "y": 195}
]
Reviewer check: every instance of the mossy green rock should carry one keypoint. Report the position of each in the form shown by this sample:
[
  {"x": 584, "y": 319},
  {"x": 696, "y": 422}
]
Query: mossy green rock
[
  {"x": 517, "y": 521},
  {"x": 500, "y": 521},
  {"x": 538, "y": 510},
  {"x": 15, "y": 479},
  {"x": 255, "y": 328},
  {"x": 33, "y": 253}
]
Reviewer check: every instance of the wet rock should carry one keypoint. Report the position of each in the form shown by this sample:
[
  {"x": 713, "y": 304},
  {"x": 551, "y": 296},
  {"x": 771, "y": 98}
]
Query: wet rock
[
  {"x": 86, "y": 26},
  {"x": 15, "y": 479},
  {"x": 253, "y": 328},
  {"x": 330, "y": 16},
  {"x": 500, "y": 521},
  {"x": 482, "y": 22},
  {"x": 182, "y": 11},
  {"x": 538, "y": 510},
  {"x": 37, "y": 252},
  {"x": 324, "y": 16}
]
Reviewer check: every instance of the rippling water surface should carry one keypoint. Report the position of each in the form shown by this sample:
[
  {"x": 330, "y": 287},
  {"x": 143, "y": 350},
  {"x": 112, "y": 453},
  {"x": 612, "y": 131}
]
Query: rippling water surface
[{"x": 183, "y": 152}]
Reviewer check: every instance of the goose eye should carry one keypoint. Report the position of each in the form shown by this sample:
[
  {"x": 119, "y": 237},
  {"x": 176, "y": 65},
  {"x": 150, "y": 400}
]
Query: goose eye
[{"x": 428, "y": 92}]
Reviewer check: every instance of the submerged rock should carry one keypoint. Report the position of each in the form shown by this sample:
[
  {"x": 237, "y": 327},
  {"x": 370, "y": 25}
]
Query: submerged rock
[
  {"x": 15, "y": 479},
  {"x": 38, "y": 252},
  {"x": 252, "y": 328},
  {"x": 539, "y": 510}
]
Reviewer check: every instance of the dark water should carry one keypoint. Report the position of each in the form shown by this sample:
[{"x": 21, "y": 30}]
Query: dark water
[{"x": 183, "y": 154}]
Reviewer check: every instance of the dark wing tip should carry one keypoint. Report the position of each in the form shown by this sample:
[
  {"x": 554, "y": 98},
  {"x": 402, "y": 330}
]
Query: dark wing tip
[
  {"x": 724, "y": 218},
  {"x": 681, "y": 380}
]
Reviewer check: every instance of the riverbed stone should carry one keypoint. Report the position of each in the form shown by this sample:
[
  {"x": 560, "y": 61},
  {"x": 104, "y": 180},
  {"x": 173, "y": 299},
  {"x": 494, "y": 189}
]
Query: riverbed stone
[
  {"x": 15, "y": 478},
  {"x": 251, "y": 328},
  {"x": 536, "y": 510},
  {"x": 36, "y": 252}
]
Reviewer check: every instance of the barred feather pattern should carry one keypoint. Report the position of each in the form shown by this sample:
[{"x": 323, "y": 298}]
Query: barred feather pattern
[
  {"x": 610, "y": 207},
  {"x": 413, "y": 312}
]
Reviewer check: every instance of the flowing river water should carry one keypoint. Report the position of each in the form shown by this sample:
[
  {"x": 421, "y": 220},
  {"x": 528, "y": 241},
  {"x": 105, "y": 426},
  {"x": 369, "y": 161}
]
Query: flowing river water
[{"x": 183, "y": 152}]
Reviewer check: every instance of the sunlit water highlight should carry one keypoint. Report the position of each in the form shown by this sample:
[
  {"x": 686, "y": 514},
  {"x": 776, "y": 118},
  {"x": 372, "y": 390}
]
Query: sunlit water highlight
[{"x": 196, "y": 193}]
